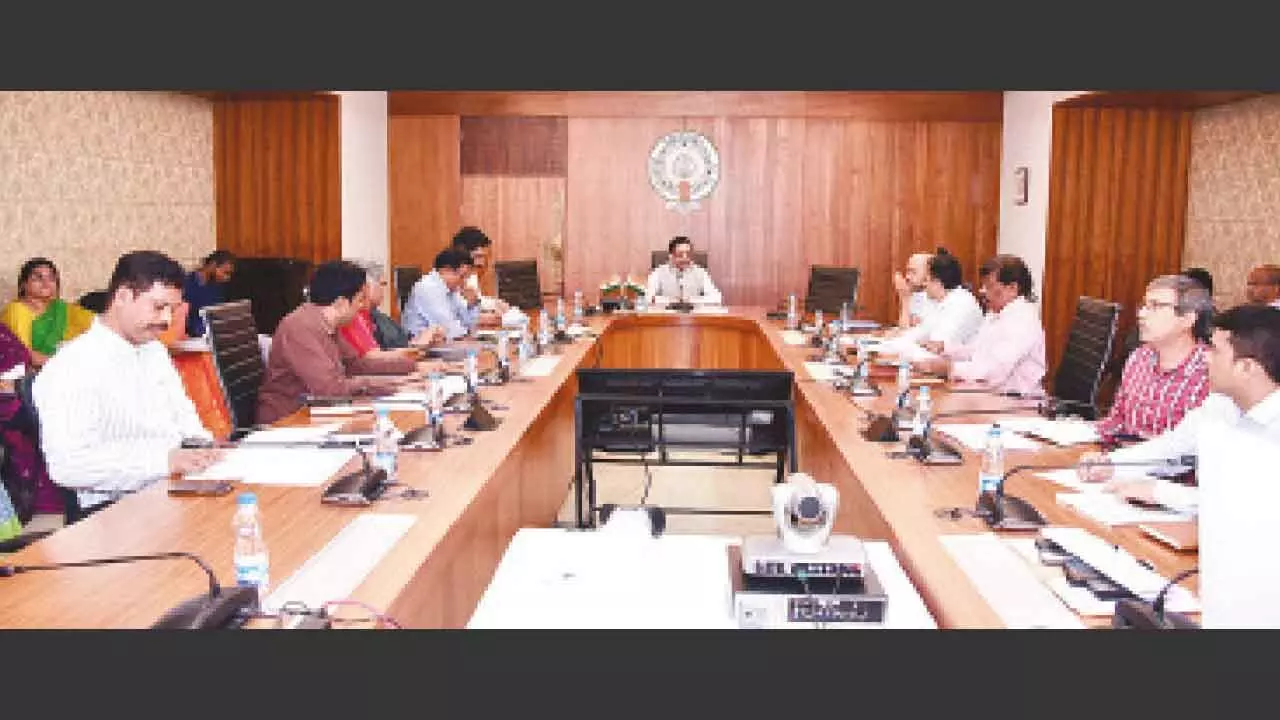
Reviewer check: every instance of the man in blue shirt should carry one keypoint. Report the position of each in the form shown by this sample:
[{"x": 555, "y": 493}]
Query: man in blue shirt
[
  {"x": 206, "y": 286},
  {"x": 436, "y": 298}
]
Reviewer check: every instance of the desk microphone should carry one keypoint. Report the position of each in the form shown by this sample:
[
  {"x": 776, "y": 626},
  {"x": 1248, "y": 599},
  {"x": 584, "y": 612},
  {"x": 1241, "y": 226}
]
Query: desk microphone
[
  {"x": 219, "y": 608},
  {"x": 1140, "y": 615}
]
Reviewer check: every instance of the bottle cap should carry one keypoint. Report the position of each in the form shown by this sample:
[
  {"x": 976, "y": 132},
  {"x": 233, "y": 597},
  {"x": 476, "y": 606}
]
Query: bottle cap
[{"x": 247, "y": 498}]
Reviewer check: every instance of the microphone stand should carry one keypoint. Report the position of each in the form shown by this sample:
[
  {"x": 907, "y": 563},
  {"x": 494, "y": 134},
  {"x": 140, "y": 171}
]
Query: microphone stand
[
  {"x": 217, "y": 609},
  {"x": 1139, "y": 615}
]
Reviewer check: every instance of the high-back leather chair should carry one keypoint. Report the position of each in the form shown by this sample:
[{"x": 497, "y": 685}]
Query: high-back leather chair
[
  {"x": 518, "y": 283},
  {"x": 830, "y": 286},
  {"x": 1085, "y": 357},
  {"x": 658, "y": 257},
  {"x": 237, "y": 356},
  {"x": 404, "y": 277}
]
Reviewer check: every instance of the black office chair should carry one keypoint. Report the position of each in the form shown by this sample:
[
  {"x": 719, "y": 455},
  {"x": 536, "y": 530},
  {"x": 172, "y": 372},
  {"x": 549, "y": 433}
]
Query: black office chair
[
  {"x": 237, "y": 355},
  {"x": 404, "y": 277},
  {"x": 830, "y": 286},
  {"x": 72, "y": 512},
  {"x": 94, "y": 301},
  {"x": 519, "y": 284},
  {"x": 658, "y": 257},
  {"x": 1086, "y": 355}
]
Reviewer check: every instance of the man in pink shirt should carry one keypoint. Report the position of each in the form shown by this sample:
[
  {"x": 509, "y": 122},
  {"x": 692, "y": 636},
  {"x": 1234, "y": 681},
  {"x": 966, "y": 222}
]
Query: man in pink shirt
[{"x": 1007, "y": 354}]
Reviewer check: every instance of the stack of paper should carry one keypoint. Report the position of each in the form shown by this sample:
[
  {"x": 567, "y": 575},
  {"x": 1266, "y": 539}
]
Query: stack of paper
[
  {"x": 1007, "y": 583},
  {"x": 1111, "y": 509},
  {"x": 295, "y": 434},
  {"x": 303, "y": 467}
]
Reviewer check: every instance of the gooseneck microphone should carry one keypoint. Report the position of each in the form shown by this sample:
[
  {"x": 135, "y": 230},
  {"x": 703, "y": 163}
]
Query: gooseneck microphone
[
  {"x": 1140, "y": 615},
  {"x": 218, "y": 608}
]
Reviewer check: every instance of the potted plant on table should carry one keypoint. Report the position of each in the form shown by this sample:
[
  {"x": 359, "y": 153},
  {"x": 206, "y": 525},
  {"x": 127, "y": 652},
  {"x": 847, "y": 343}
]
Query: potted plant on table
[{"x": 618, "y": 293}]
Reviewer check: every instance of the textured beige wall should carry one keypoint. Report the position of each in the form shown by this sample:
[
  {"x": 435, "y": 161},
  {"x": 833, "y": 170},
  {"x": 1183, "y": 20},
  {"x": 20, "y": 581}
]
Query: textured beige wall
[
  {"x": 86, "y": 176},
  {"x": 1233, "y": 203}
]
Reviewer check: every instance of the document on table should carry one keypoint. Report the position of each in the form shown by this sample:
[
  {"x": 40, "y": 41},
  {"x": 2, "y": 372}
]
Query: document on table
[
  {"x": 540, "y": 366},
  {"x": 1110, "y": 509},
  {"x": 821, "y": 371},
  {"x": 1120, "y": 566},
  {"x": 302, "y": 466},
  {"x": 1007, "y": 584},
  {"x": 415, "y": 399},
  {"x": 1058, "y": 432},
  {"x": 297, "y": 434},
  {"x": 974, "y": 436},
  {"x": 794, "y": 337},
  {"x": 710, "y": 310},
  {"x": 343, "y": 563}
]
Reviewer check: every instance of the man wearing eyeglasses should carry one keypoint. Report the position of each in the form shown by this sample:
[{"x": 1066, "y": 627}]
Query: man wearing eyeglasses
[{"x": 1169, "y": 373}]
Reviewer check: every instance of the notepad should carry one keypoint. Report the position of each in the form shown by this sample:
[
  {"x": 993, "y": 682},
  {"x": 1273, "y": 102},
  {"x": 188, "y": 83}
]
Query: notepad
[
  {"x": 1008, "y": 584},
  {"x": 974, "y": 436},
  {"x": 298, "y": 434},
  {"x": 540, "y": 366},
  {"x": 300, "y": 467},
  {"x": 343, "y": 563}
]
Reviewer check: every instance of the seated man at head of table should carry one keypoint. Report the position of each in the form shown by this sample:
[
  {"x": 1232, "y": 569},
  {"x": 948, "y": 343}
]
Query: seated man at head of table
[
  {"x": 1244, "y": 376},
  {"x": 1007, "y": 352},
  {"x": 436, "y": 299},
  {"x": 680, "y": 278},
  {"x": 309, "y": 358},
  {"x": 912, "y": 299},
  {"x": 956, "y": 316},
  {"x": 1168, "y": 374},
  {"x": 113, "y": 410}
]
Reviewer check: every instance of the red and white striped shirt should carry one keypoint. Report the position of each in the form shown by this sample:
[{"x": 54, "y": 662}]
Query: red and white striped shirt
[{"x": 1150, "y": 400}]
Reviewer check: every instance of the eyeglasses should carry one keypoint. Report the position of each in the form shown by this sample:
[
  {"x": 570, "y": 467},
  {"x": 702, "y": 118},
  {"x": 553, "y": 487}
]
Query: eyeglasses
[{"x": 1154, "y": 305}]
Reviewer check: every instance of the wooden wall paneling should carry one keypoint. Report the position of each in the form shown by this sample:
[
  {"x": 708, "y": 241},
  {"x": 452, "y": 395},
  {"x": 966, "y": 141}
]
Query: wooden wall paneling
[
  {"x": 523, "y": 215},
  {"x": 424, "y": 188},
  {"x": 1117, "y": 205},
  {"x": 523, "y": 146},
  {"x": 277, "y": 177}
]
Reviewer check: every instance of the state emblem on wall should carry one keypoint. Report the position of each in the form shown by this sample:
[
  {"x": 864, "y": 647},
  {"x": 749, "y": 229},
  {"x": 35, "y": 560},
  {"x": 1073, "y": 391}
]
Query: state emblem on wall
[{"x": 684, "y": 168}]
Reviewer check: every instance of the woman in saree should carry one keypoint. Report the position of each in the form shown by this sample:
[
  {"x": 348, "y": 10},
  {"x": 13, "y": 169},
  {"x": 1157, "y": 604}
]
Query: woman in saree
[
  {"x": 39, "y": 317},
  {"x": 29, "y": 489}
]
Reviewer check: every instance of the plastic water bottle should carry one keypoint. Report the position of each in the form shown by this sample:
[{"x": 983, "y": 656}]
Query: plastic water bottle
[
  {"x": 472, "y": 370},
  {"x": 252, "y": 561},
  {"x": 522, "y": 353},
  {"x": 386, "y": 448},
  {"x": 992, "y": 462},
  {"x": 435, "y": 406},
  {"x": 924, "y": 413},
  {"x": 544, "y": 328},
  {"x": 844, "y": 316},
  {"x": 817, "y": 321},
  {"x": 833, "y": 343},
  {"x": 904, "y": 382},
  {"x": 577, "y": 307},
  {"x": 504, "y": 353},
  {"x": 560, "y": 314},
  {"x": 793, "y": 312},
  {"x": 642, "y": 302}
]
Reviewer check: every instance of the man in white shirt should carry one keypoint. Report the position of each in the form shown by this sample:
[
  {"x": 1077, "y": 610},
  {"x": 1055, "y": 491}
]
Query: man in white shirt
[
  {"x": 473, "y": 241},
  {"x": 113, "y": 411},
  {"x": 679, "y": 279},
  {"x": 1244, "y": 373},
  {"x": 957, "y": 315},
  {"x": 914, "y": 302}
]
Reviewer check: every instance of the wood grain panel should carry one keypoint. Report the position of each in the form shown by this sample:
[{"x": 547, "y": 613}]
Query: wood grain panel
[
  {"x": 424, "y": 187},
  {"x": 525, "y": 219},
  {"x": 793, "y": 193},
  {"x": 526, "y": 146},
  {"x": 966, "y": 106},
  {"x": 1117, "y": 209},
  {"x": 1182, "y": 99},
  {"x": 277, "y": 177}
]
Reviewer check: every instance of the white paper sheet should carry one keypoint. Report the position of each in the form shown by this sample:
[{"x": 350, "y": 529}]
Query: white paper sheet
[
  {"x": 1007, "y": 584},
  {"x": 1121, "y": 567},
  {"x": 1071, "y": 479},
  {"x": 974, "y": 436},
  {"x": 1111, "y": 510},
  {"x": 298, "y": 434},
  {"x": 301, "y": 467},
  {"x": 343, "y": 563},
  {"x": 1060, "y": 432},
  {"x": 794, "y": 337},
  {"x": 820, "y": 371},
  {"x": 540, "y": 366},
  {"x": 710, "y": 310}
]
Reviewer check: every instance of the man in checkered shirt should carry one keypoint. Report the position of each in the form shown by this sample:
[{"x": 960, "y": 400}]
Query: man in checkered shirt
[{"x": 1168, "y": 374}]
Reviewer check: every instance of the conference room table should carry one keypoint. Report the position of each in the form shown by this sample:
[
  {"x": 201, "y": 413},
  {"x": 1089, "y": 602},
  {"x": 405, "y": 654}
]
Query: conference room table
[{"x": 518, "y": 475}]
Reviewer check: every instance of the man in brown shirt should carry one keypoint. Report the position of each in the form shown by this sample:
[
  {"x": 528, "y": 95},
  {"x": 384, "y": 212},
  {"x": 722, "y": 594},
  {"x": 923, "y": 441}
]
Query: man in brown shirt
[{"x": 308, "y": 358}]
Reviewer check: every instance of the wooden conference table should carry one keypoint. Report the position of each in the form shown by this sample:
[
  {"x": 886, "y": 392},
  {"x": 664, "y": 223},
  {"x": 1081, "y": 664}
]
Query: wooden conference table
[{"x": 519, "y": 475}]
